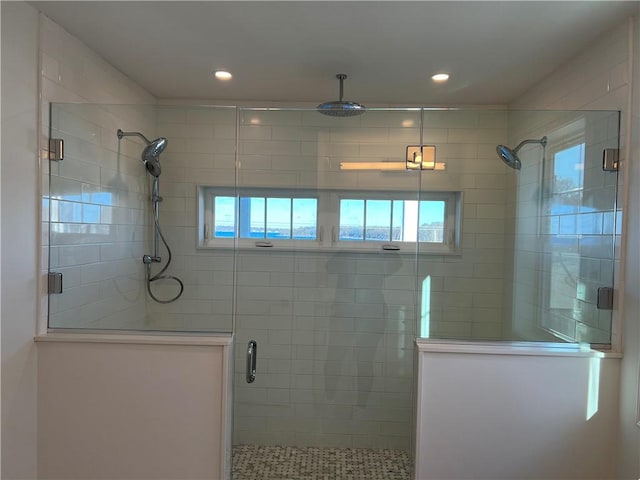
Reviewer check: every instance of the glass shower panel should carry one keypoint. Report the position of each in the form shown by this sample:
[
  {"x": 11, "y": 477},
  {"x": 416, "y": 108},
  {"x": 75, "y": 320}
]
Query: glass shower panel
[
  {"x": 536, "y": 244},
  {"x": 101, "y": 216},
  {"x": 578, "y": 226},
  {"x": 332, "y": 310}
]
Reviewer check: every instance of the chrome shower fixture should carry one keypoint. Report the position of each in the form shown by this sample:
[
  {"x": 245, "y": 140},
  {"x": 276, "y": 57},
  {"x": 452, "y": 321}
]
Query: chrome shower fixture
[
  {"x": 341, "y": 108},
  {"x": 151, "y": 152},
  {"x": 150, "y": 158},
  {"x": 510, "y": 156}
]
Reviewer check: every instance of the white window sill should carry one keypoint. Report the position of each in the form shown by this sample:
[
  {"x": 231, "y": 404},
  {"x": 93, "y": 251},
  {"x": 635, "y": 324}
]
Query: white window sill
[{"x": 355, "y": 247}]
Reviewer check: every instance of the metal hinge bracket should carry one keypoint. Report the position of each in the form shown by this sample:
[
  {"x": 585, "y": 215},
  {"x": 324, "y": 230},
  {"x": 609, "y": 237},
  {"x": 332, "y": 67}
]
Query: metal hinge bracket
[
  {"x": 54, "y": 282},
  {"x": 605, "y": 298},
  {"x": 56, "y": 149},
  {"x": 610, "y": 159}
]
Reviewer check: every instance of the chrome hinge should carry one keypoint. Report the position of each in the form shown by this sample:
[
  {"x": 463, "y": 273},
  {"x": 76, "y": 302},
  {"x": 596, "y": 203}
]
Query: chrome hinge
[
  {"x": 610, "y": 159},
  {"x": 54, "y": 282},
  {"x": 605, "y": 298},
  {"x": 56, "y": 149}
]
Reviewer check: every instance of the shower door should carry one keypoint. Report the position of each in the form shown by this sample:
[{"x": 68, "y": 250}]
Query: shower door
[{"x": 326, "y": 279}]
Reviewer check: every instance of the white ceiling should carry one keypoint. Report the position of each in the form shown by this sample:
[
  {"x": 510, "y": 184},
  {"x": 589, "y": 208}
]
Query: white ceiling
[{"x": 291, "y": 51}]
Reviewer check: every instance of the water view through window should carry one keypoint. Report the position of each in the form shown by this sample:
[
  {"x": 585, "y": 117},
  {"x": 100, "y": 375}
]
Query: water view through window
[
  {"x": 392, "y": 220},
  {"x": 364, "y": 219}
]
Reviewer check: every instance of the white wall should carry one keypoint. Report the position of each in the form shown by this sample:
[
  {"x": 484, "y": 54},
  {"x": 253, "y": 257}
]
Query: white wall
[
  {"x": 19, "y": 238},
  {"x": 629, "y": 439},
  {"x": 503, "y": 415},
  {"x": 601, "y": 77},
  {"x": 132, "y": 407}
]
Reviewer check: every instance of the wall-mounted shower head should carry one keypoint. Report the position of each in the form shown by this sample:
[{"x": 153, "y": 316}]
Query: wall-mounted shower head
[
  {"x": 340, "y": 108},
  {"x": 510, "y": 156},
  {"x": 150, "y": 153}
]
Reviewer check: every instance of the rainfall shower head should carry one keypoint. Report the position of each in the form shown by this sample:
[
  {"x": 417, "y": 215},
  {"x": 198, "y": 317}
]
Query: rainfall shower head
[
  {"x": 150, "y": 153},
  {"x": 340, "y": 108},
  {"x": 510, "y": 156}
]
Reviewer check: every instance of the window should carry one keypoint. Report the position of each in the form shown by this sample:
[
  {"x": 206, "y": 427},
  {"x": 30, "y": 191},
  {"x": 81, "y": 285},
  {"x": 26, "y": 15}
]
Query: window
[
  {"x": 392, "y": 220},
  {"x": 329, "y": 219},
  {"x": 265, "y": 217}
]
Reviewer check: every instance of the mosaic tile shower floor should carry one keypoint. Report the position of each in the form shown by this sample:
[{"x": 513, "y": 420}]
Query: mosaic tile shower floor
[{"x": 253, "y": 462}]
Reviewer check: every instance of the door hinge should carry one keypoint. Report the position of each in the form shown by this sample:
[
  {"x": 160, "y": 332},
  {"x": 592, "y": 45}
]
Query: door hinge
[
  {"x": 56, "y": 149},
  {"x": 605, "y": 298},
  {"x": 54, "y": 282},
  {"x": 610, "y": 159}
]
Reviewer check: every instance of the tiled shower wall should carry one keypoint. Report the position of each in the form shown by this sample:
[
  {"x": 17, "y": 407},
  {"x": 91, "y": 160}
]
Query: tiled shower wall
[
  {"x": 200, "y": 151},
  {"x": 99, "y": 225},
  {"x": 98, "y": 210},
  {"x": 335, "y": 330},
  {"x": 601, "y": 72},
  {"x": 563, "y": 249}
]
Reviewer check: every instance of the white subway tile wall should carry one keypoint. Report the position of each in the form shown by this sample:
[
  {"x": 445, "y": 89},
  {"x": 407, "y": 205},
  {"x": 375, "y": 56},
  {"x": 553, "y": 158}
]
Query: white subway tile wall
[
  {"x": 601, "y": 73},
  {"x": 335, "y": 330},
  {"x": 564, "y": 231},
  {"x": 99, "y": 220},
  {"x": 201, "y": 151},
  {"x": 97, "y": 191}
]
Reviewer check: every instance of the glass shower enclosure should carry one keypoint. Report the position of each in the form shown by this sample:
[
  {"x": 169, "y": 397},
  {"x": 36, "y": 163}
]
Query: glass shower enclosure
[{"x": 327, "y": 245}]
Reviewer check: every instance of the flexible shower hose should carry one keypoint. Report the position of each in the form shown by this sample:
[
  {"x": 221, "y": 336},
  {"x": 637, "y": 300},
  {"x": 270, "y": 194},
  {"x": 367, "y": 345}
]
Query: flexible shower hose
[{"x": 159, "y": 275}]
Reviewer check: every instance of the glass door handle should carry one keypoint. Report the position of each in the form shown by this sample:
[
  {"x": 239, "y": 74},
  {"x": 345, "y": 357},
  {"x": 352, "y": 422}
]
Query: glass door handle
[{"x": 252, "y": 359}]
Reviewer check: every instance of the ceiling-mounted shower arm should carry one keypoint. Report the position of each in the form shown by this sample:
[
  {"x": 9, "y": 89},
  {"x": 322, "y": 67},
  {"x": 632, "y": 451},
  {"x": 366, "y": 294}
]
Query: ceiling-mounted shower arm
[
  {"x": 121, "y": 134},
  {"x": 341, "y": 77}
]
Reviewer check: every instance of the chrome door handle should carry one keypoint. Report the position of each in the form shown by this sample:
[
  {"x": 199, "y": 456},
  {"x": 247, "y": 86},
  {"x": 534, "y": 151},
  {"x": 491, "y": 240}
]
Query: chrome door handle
[{"x": 252, "y": 359}]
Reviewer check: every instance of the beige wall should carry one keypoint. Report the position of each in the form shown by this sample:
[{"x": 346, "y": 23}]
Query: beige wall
[{"x": 19, "y": 238}]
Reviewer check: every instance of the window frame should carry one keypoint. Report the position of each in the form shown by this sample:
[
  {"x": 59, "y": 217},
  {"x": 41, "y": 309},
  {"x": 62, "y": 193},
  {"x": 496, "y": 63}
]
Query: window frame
[{"x": 328, "y": 221}]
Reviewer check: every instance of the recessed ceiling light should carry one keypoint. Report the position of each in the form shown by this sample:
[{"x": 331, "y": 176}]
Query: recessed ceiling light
[
  {"x": 440, "y": 77},
  {"x": 222, "y": 75}
]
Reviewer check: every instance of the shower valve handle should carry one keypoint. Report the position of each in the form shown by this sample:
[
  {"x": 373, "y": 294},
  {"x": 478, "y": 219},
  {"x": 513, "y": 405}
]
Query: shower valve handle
[{"x": 147, "y": 259}]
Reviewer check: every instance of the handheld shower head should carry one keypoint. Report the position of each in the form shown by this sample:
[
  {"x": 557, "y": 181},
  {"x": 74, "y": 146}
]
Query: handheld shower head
[
  {"x": 151, "y": 153},
  {"x": 153, "y": 167},
  {"x": 510, "y": 156}
]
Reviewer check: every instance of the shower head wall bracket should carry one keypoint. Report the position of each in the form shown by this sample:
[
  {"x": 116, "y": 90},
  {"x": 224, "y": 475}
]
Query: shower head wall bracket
[{"x": 121, "y": 134}]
